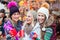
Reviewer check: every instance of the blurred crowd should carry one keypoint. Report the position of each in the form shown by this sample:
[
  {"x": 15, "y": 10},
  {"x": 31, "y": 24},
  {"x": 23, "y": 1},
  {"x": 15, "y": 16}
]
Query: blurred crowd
[{"x": 29, "y": 19}]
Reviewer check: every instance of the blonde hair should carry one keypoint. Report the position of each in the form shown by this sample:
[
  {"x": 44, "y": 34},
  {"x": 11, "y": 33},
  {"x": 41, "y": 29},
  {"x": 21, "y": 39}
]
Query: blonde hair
[{"x": 34, "y": 17}]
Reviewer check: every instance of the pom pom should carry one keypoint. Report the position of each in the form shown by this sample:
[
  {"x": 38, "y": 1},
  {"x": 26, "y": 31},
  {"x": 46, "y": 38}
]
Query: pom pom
[
  {"x": 46, "y": 5},
  {"x": 12, "y": 4},
  {"x": 43, "y": 29}
]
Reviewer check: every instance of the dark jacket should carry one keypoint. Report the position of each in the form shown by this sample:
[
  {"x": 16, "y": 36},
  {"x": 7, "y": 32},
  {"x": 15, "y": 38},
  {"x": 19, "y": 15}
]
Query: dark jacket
[{"x": 2, "y": 29}]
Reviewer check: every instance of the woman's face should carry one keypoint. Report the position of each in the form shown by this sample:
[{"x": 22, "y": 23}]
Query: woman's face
[
  {"x": 21, "y": 10},
  {"x": 41, "y": 18},
  {"x": 29, "y": 18},
  {"x": 15, "y": 16},
  {"x": 1, "y": 16},
  {"x": 59, "y": 20}
]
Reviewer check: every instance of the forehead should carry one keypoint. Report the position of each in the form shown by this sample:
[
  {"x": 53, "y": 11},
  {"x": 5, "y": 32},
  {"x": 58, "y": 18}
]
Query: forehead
[
  {"x": 41, "y": 13},
  {"x": 1, "y": 14},
  {"x": 16, "y": 13}
]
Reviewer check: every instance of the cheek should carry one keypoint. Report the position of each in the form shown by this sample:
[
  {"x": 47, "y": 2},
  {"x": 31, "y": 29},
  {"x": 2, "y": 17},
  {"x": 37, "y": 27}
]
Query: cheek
[
  {"x": 41, "y": 19},
  {"x": 18, "y": 15},
  {"x": 13, "y": 16},
  {"x": 29, "y": 20}
]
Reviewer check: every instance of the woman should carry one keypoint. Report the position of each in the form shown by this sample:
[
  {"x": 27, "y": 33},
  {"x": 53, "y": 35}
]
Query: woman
[
  {"x": 42, "y": 17},
  {"x": 13, "y": 25},
  {"x": 30, "y": 31},
  {"x": 52, "y": 23},
  {"x": 2, "y": 15},
  {"x": 58, "y": 26}
]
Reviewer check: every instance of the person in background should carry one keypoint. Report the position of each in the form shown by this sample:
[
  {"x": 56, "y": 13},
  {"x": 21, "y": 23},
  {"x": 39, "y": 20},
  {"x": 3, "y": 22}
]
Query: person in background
[
  {"x": 5, "y": 5},
  {"x": 51, "y": 22},
  {"x": 13, "y": 25},
  {"x": 30, "y": 30},
  {"x": 45, "y": 30},
  {"x": 2, "y": 16},
  {"x": 23, "y": 12},
  {"x": 58, "y": 26}
]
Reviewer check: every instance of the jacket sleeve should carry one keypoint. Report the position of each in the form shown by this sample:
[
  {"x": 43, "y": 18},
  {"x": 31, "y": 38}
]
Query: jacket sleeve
[
  {"x": 6, "y": 29},
  {"x": 48, "y": 34}
]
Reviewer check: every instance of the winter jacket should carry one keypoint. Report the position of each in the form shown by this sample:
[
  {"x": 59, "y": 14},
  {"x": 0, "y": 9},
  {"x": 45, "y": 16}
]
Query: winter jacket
[
  {"x": 36, "y": 30},
  {"x": 9, "y": 26}
]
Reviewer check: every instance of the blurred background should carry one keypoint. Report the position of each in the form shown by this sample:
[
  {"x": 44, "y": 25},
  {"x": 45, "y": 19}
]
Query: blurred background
[{"x": 25, "y": 5}]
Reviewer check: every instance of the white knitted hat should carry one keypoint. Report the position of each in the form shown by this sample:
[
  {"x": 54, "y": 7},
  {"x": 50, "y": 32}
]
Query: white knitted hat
[{"x": 44, "y": 11}]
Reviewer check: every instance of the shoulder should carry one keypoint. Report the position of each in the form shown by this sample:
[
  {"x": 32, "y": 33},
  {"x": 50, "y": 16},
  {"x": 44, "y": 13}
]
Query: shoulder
[
  {"x": 20, "y": 23},
  {"x": 37, "y": 25},
  {"x": 7, "y": 22},
  {"x": 36, "y": 28}
]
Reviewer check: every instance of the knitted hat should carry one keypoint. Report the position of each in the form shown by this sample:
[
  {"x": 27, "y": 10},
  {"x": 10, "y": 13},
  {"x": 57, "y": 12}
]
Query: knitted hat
[
  {"x": 44, "y": 11},
  {"x": 13, "y": 10},
  {"x": 13, "y": 7}
]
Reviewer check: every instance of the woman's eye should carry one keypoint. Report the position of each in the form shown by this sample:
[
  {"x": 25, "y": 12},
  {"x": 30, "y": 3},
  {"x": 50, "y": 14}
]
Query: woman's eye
[
  {"x": 42, "y": 15},
  {"x": 38, "y": 15},
  {"x": 14, "y": 14},
  {"x": 18, "y": 14},
  {"x": 28, "y": 16}
]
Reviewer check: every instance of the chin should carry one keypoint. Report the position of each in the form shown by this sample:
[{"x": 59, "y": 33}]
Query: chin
[
  {"x": 28, "y": 22},
  {"x": 41, "y": 22},
  {"x": 16, "y": 20}
]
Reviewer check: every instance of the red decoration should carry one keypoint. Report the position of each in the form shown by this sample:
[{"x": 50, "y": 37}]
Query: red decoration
[
  {"x": 13, "y": 32},
  {"x": 35, "y": 35},
  {"x": 21, "y": 33}
]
